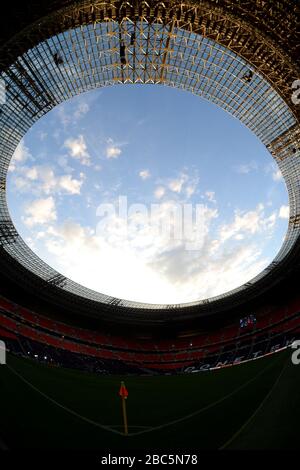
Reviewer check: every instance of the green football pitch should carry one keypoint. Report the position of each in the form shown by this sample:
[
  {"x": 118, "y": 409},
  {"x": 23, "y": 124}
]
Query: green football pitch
[{"x": 255, "y": 405}]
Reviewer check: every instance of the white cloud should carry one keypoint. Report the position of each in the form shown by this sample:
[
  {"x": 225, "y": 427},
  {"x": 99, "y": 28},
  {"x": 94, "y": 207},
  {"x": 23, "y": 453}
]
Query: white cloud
[
  {"x": 147, "y": 258},
  {"x": 246, "y": 168},
  {"x": 32, "y": 173},
  {"x": 210, "y": 196},
  {"x": 39, "y": 212},
  {"x": 112, "y": 150},
  {"x": 46, "y": 177},
  {"x": 82, "y": 109},
  {"x": 64, "y": 118},
  {"x": 239, "y": 236},
  {"x": 69, "y": 184},
  {"x": 78, "y": 149},
  {"x": 42, "y": 179},
  {"x": 21, "y": 184},
  {"x": 20, "y": 155},
  {"x": 184, "y": 185},
  {"x": 273, "y": 170},
  {"x": 159, "y": 192},
  {"x": 277, "y": 175},
  {"x": 42, "y": 135},
  {"x": 144, "y": 174},
  {"x": 78, "y": 111},
  {"x": 30, "y": 243},
  {"x": 63, "y": 162},
  {"x": 176, "y": 185},
  {"x": 152, "y": 265},
  {"x": 284, "y": 212},
  {"x": 191, "y": 184},
  {"x": 250, "y": 222},
  {"x": 268, "y": 223},
  {"x": 189, "y": 190}
]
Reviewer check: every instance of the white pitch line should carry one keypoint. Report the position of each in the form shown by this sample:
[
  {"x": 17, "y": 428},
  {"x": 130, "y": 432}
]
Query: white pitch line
[
  {"x": 146, "y": 429},
  {"x": 205, "y": 408},
  {"x": 69, "y": 410},
  {"x": 263, "y": 402}
]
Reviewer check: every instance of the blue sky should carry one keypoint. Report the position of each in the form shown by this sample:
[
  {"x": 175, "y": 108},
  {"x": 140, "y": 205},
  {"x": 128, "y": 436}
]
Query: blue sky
[{"x": 157, "y": 145}]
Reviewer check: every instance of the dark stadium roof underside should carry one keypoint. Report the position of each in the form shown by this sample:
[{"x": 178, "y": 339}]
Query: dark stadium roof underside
[{"x": 165, "y": 43}]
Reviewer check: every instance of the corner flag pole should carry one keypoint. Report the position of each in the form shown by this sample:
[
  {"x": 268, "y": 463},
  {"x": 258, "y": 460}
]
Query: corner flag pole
[
  {"x": 124, "y": 394},
  {"x": 125, "y": 416}
]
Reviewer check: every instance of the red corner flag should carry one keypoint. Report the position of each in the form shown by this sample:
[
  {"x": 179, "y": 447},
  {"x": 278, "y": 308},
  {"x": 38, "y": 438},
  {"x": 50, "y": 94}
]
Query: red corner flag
[
  {"x": 124, "y": 394},
  {"x": 123, "y": 391}
]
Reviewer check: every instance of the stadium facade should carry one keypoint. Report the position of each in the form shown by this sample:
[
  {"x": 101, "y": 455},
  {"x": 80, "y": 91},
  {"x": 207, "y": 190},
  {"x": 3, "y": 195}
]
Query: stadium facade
[{"x": 238, "y": 55}]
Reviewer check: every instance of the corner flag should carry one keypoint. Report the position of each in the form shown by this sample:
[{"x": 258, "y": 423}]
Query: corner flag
[
  {"x": 123, "y": 391},
  {"x": 124, "y": 394}
]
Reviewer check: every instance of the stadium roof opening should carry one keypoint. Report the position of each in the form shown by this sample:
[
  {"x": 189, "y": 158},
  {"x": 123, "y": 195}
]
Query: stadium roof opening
[{"x": 117, "y": 194}]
